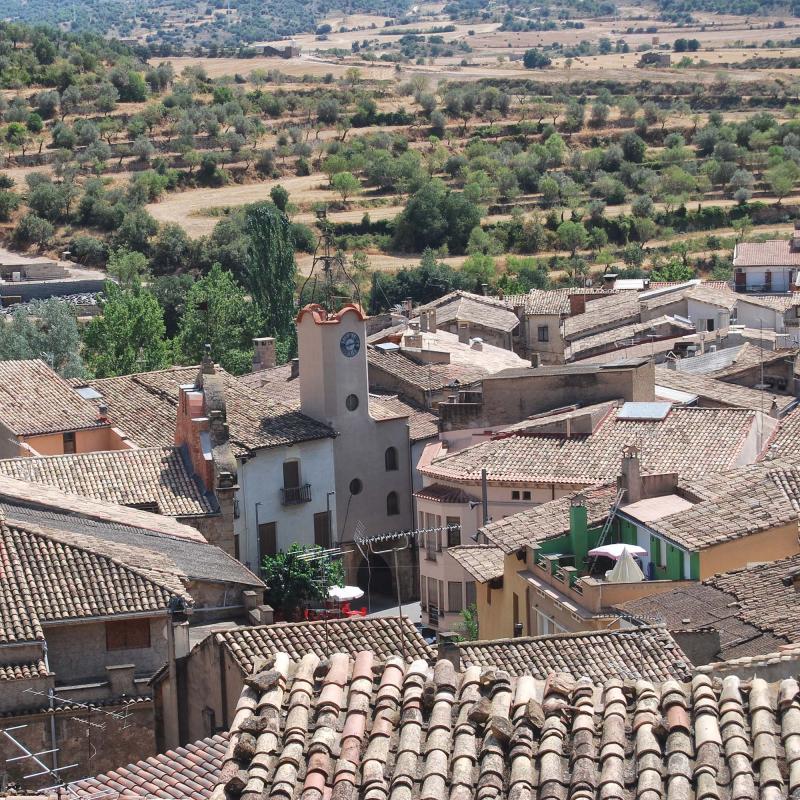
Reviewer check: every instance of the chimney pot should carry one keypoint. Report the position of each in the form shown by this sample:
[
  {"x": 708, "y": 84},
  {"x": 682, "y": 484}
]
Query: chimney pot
[
  {"x": 102, "y": 412},
  {"x": 264, "y": 353}
]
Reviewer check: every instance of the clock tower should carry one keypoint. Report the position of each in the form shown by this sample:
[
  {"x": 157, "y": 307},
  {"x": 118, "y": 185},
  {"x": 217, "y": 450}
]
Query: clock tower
[{"x": 372, "y": 456}]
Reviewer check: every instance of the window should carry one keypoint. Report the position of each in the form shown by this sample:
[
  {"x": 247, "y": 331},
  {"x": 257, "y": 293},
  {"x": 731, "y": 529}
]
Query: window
[
  {"x": 322, "y": 529},
  {"x": 543, "y": 333},
  {"x": 267, "y": 539},
  {"x": 515, "y": 599},
  {"x": 356, "y": 486},
  {"x": 392, "y": 504},
  {"x": 515, "y": 495},
  {"x": 470, "y": 593},
  {"x": 526, "y": 495},
  {"x": 454, "y": 603},
  {"x": 69, "y": 442},
  {"x": 390, "y": 459},
  {"x": 438, "y": 533},
  {"x": 209, "y": 720},
  {"x": 351, "y": 402},
  {"x": 128, "y": 634},
  {"x": 291, "y": 474},
  {"x": 430, "y": 545},
  {"x": 453, "y": 531},
  {"x": 433, "y": 600}
]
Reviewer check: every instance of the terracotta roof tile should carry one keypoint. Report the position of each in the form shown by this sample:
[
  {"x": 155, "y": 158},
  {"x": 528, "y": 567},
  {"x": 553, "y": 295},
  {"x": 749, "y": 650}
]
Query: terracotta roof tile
[
  {"x": 36, "y": 400},
  {"x": 786, "y": 441},
  {"x": 351, "y": 635},
  {"x": 726, "y": 394},
  {"x": 26, "y": 671},
  {"x": 548, "y": 520},
  {"x": 482, "y": 561},
  {"x": 334, "y": 729},
  {"x": 474, "y": 308},
  {"x": 440, "y": 493},
  {"x": 773, "y": 253},
  {"x": 691, "y": 441},
  {"x": 128, "y": 477},
  {"x": 627, "y": 335},
  {"x": 777, "y": 302},
  {"x": 144, "y": 406},
  {"x": 722, "y": 297},
  {"x": 638, "y": 653},
  {"x": 54, "y": 575},
  {"x": 614, "y": 311},
  {"x": 754, "y": 609},
  {"x": 433, "y": 377},
  {"x": 186, "y": 772}
]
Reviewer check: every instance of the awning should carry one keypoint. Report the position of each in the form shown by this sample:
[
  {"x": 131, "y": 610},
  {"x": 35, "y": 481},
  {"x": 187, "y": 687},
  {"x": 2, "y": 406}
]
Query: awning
[{"x": 615, "y": 551}]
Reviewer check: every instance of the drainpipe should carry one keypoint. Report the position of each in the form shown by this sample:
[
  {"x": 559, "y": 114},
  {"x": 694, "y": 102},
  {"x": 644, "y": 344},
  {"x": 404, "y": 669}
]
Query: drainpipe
[
  {"x": 485, "y": 497},
  {"x": 51, "y": 705}
]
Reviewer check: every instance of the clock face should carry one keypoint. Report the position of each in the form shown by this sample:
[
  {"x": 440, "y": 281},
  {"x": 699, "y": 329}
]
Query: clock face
[{"x": 350, "y": 344}]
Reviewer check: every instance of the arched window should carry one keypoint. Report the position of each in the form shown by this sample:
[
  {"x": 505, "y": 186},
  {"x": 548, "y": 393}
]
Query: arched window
[
  {"x": 392, "y": 504},
  {"x": 390, "y": 457}
]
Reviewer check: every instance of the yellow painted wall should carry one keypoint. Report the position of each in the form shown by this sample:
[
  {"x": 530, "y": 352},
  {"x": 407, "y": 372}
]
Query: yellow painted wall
[
  {"x": 766, "y": 546},
  {"x": 92, "y": 440}
]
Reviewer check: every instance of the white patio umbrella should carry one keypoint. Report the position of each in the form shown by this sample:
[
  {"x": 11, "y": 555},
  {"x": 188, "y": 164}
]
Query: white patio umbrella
[
  {"x": 344, "y": 594},
  {"x": 626, "y": 570},
  {"x": 615, "y": 551}
]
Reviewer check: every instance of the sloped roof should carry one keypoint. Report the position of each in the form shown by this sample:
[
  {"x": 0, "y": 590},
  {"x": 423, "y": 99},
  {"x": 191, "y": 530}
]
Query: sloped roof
[
  {"x": 773, "y": 253},
  {"x": 786, "y": 440},
  {"x": 55, "y": 575},
  {"x": 439, "y": 493},
  {"x": 691, "y": 441},
  {"x": 733, "y": 504},
  {"x": 482, "y": 561},
  {"x": 129, "y": 477},
  {"x": 726, "y": 394},
  {"x": 36, "y": 400},
  {"x": 351, "y": 635},
  {"x": 637, "y": 653},
  {"x": 25, "y": 671},
  {"x": 412, "y": 731},
  {"x": 618, "y": 309},
  {"x": 473, "y": 308},
  {"x": 186, "y": 772},
  {"x": 144, "y": 405},
  {"x": 548, "y": 520},
  {"x": 714, "y": 296},
  {"x": 422, "y": 376},
  {"x": 753, "y": 609},
  {"x": 776, "y": 302},
  {"x": 671, "y": 327}
]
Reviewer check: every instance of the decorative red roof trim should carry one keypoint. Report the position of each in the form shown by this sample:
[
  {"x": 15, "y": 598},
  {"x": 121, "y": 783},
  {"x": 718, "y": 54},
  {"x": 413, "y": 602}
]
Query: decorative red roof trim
[{"x": 321, "y": 316}]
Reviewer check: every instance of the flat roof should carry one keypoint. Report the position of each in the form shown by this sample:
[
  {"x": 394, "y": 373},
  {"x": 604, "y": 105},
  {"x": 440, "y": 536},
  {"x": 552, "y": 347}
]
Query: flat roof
[{"x": 653, "y": 508}]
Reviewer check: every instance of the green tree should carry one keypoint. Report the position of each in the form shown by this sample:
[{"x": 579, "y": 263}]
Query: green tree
[
  {"x": 535, "y": 59},
  {"x": 479, "y": 269},
  {"x": 469, "y": 622},
  {"x": 46, "y": 330},
  {"x": 294, "y": 581},
  {"x": 129, "y": 268},
  {"x": 128, "y": 336},
  {"x": 782, "y": 178},
  {"x": 345, "y": 184},
  {"x": 271, "y": 269},
  {"x": 280, "y": 197},
  {"x": 572, "y": 236},
  {"x": 217, "y": 314},
  {"x": 673, "y": 270}
]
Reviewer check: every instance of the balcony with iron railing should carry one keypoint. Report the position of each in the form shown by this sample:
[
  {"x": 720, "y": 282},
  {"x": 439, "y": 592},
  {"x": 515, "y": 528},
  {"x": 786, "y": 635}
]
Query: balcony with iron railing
[{"x": 296, "y": 495}]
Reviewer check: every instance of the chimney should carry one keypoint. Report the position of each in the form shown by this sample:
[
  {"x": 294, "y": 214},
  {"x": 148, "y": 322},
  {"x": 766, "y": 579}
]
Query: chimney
[
  {"x": 432, "y": 320},
  {"x": 577, "y": 304},
  {"x": 423, "y": 321},
  {"x": 630, "y": 478},
  {"x": 120, "y": 680},
  {"x": 102, "y": 412},
  {"x": 264, "y": 353},
  {"x": 535, "y": 360},
  {"x": 449, "y": 649},
  {"x": 463, "y": 332},
  {"x": 517, "y": 630},
  {"x": 477, "y": 344},
  {"x": 609, "y": 280},
  {"x": 295, "y": 369},
  {"x": 484, "y": 289},
  {"x": 408, "y": 305}
]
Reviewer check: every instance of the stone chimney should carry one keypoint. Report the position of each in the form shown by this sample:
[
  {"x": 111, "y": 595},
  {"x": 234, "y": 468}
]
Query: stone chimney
[
  {"x": 120, "y": 680},
  {"x": 264, "y": 353},
  {"x": 463, "y": 332},
  {"x": 423, "y": 321},
  {"x": 432, "y": 320},
  {"x": 630, "y": 478},
  {"x": 477, "y": 344},
  {"x": 577, "y": 304},
  {"x": 295, "y": 368},
  {"x": 484, "y": 289},
  {"x": 449, "y": 649}
]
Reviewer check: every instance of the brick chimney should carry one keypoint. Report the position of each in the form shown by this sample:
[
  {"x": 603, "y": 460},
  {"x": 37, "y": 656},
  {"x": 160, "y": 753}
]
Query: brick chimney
[
  {"x": 264, "y": 353},
  {"x": 577, "y": 304},
  {"x": 201, "y": 425}
]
